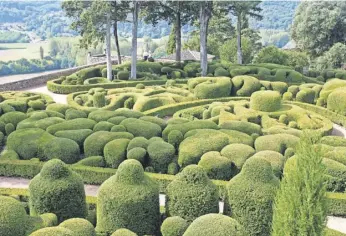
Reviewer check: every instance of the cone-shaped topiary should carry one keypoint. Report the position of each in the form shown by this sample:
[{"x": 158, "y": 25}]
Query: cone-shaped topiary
[
  {"x": 251, "y": 195},
  {"x": 174, "y": 226},
  {"x": 215, "y": 225},
  {"x": 57, "y": 189},
  {"x": 129, "y": 199},
  {"x": 13, "y": 218},
  {"x": 191, "y": 194},
  {"x": 79, "y": 227}
]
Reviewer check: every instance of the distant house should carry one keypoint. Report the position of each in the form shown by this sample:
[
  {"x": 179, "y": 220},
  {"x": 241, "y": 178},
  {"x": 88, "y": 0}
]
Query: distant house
[{"x": 187, "y": 55}]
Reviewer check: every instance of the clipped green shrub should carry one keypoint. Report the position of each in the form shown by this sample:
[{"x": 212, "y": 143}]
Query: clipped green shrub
[
  {"x": 99, "y": 100},
  {"x": 128, "y": 199},
  {"x": 221, "y": 72},
  {"x": 13, "y": 117},
  {"x": 115, "y": 152},
  {"x": 276, "y": 160},
  {"x": 58, "y": 107},
  {"x": 57, "y": 189},
  {"x": 199, "y": 142},
  {"x": 118, "y": 128},
  {"x": 160, "y": 155},
  {"x": 156, "y": 120},
  {"x": 238, "y": 153},
  {"x": 13, "y": 217},
  {"x": 211, "y": 87},
  {"x": 250, "y": 196},
  {"x": 75, "y": 124},
  {"x": 174, "y": 226},
  {"x": 123, "y": 75},
  {"x": 74, "y": 114},
  {"x": 53, "y": 231},
  {"x": 267, "y": 101},
  {"x": 306, "y": 95},
  {"x": 37, "y": 104},
  {"x": 138, "y": 142},
  {"x": 89, "y": 73},
  {"x": 140, "y": 86},
  {"x": 95, "y": 143},
  {"x": 334, "y": 141},
  {"x": 175, "y": 137},
  {"x": 276, "y": 142},
  {"x": 141, "y": 128},
  {"x": 138, "y": 154},
  {"x": 123, "y": 232},
  {"x": 187, "y": 126},
  {"x": 336, "y": 101},
  {"x": 242, "y": 126},
  {"x": 280, "y": 87},
  {"x": 215, "y": 225},
  {"x": 96, "y": 161},
  {"x": 78, "y": 136},
  {"x": 191, "y": 194},
  {"x": 64, "y": 149},
  {"x": 216, "y": 166},
  {"x": 245, "y": 85},
  {"x": 9, "y": 128},
  {"x": 79, "y": 227},
  {"x": 103, "y": 126}
]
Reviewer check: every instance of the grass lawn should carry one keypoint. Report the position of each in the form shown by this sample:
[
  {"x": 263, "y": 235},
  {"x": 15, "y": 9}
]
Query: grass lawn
[{"x": 15, "y": 51}]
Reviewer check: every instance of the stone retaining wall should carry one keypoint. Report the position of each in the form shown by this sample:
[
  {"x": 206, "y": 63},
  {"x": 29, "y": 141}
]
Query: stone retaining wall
[{"x": 38, "y": 80}]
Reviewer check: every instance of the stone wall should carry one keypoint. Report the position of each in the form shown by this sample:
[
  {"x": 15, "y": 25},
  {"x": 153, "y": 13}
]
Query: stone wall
[{"x": 40, "y": 80}]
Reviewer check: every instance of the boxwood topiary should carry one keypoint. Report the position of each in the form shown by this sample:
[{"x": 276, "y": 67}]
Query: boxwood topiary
[
  {"x": 123, "y": 75},
  {"x": 58, "y": 107},
  {"x": 75, "y": 124},
  {"x": 9, "y": 128},
  {"x": 306, "y": 95},
  {"x": 250, "y": 196},
  {"x": 138, "y": 142},
  {"x": 334, "y": 141},
  {"x": 336, "y": 101},
  {"x": 141, "y": 128},
  {"x": 175, "y": 137},
  {"x": 174, "y": 226},
  {"x": 64, "y": 149},
  {"x": 74, "y": 114},
  {"x": 115, "y": 152},
  {"x": 160, "y": 155},
  {"x": 96, "y": 161},
  {"x": 191, "y": 194},
  {"x": 138, "y": 154},
  {"x": 13, "y": 117},
  {"x": 216, "y": 166},
  {"x": 99, "y": 100},
  {"x": 156, "y": 120},
  {"x": 267, "y": 101},
  {"x": 242, "y": 126},
  {"x": 276, "y": 160},
  {"x": 129, "y": 199},
  {"x": 13, "y": 217},
  {"x": 213, "y": 88},
  {"x": 198, "y": 143},
  {"x": 276, "y": 142},
  {"x": 123, "y": 232},
  {"x": 78, "y": 136},
  {"x": 95, "y": 143},
  {"x": 103, "y": 126},
  {"x": 57, "y": 189},
  {"x": 238, "y": 153},
  {"x": 53, "y": 231},
  {"x": 245, "y": 85},
  {"x": 215, "y": 225},
  {"x": 79, "y": 227}
]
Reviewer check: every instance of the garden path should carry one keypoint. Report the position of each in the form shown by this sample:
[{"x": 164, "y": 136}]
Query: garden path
[{"x": 336, "y": 223}]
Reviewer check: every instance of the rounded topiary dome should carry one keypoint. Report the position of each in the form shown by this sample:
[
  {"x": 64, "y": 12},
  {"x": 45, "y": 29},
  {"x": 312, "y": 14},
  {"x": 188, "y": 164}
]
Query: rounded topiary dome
[
  {"x": 174, "y": 226},
  {"x": 336, "y": 101},
  {"x": 123, "y": 232},
  {"x": 79, "y": 227},
  {"x": 129, "y": 199},
  {"x": 191, "y": 194},
  {"x": 57, "y": 189},
  {"x": 266, "y": 101},
  {"x": 12, "y": 215},
  {"x": 251, "y": 195},
  {"x": 53, "y": 231},
  {"x": 214, "y": 225}
]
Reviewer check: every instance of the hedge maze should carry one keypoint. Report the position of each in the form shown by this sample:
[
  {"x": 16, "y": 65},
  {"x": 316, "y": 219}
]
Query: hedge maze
[{"x": 228, "y": 138}]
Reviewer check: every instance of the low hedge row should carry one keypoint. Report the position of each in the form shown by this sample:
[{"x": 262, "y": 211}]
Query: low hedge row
[
  {"x": 169, "y": 110},
  {"x": 336, "y": 201},
  {"x": 90, "y": 175},
  {"x": 334, "y": 117},
  {"x": 55, "y": 86}
]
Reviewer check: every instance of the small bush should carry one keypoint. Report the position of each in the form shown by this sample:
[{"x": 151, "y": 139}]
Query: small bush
[
  {"x": 336, "y": 101},
  {"x": 64, "y": 149},
  {"x": 306, "y": 95},
  {"x": 61, "y": 108},
  {"x": 242, "y": 126},
  {"x": 141, "y": 128},
  {"x": 79, "y": 227},
  {"x": 123, "y": 232},
  {"x": 215, "y": 225},
  {"x": 57, "y": 189},
  {"x": 175, "y": 137},
  {"x": 216, "y": 166},
  {"x": 174, "y": 226},
  {"x": 137, "y": 201},
  {"x": 191, "y": 194},
  {"x": 99, "y": 100},
  {"x": 160, "y": 155},
  {"x": 138, "y": 154},
  {"x": 115, "y": 152},
  {"x": 267, "y": 101},
  {"x": 74, "y": 114},
  {"x": 103, "y": 126},
  {"x": 95, "y": 161},
  {"x": 53, "y": 231},
  {"x": 123, "y": 75},
  {"x": 9, "y": 128},
  {"x": 138, "y": 142},
  {"x": 245, "y": 85},
  {"x": 78, "y": 136},
  {"x": 75, "y": 124},
  {"x": 238, "y": 153}
]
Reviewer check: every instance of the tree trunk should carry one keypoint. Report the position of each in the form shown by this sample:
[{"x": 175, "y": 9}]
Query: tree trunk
[
  {"x": 205, "y": 13},
  {"x": 108, "y": 47},
  {"x": 239, "y": 51},
  {"x": 134, "y": 40},
  {"x": 115, "y": 26},
  {"x": 178, "y": 36}
]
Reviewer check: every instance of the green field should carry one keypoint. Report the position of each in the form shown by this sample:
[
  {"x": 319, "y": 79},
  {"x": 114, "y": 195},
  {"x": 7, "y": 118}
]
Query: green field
[{"x": 15, "y": 51}]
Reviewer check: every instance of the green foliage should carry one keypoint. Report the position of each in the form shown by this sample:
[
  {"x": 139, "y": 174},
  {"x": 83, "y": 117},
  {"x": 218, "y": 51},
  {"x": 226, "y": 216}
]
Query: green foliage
[
  {"x": 302, "y": 193},
  {"x": 238, "y": 153},
  {"x": 335, "y": 101},
  {"x": 276, "y": 160},
  {"x": 267, "y": 101},
  {"x": 306, "y": 95},
  {"x": 12, "y": 215},
  {"x": 96, "y": 161},
  {"x": 61, "y": 108},
  {"x": 242, "y": 126},
  {"x": 123, "y": 232},
  {"x": 9, "y": 128},
  {"x": 75, "y": 124},
  {"x": 191, "y": 194},
  {"x": 53, "y": 231},
  {"x": 103, "y": 126},
  {"x": 79, "y": 227},
  {"x": 160, "y": 155},
  {"x": 250, "y": 196},
  {"x": 271, "y": 54},
  {"x": 335, "y": 141},
  {"x": 245, "y": 85},
  {"x": 71, "y": 114},
  {"x": 210, "y": 87},
  {"x": 138, "y": 142},
  {"x": 137, "y": 201},
  {"x": 78, "y": 136},
  {"x": 95, "y": 143},
  {"x": 64, "y": 149},
  {"x": 138, "y": 154},
  {"x": 123, "y": 75},
  {"x": 216, "y": 166},
  {"x": 57, "y": 189},
  {"x": 276, "y": 142},
  {"x": 174, "y": 226},
  {"x": 175, "y": 137},
  {"x": 198, "y": 142},
  {"x": 228, "y": 51},
  {"x": 215, "y": 225},
  {"x": 141, "y": 128},
  {"x": 115, "y": 152},
  {"x": 99, "y": 100}
]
